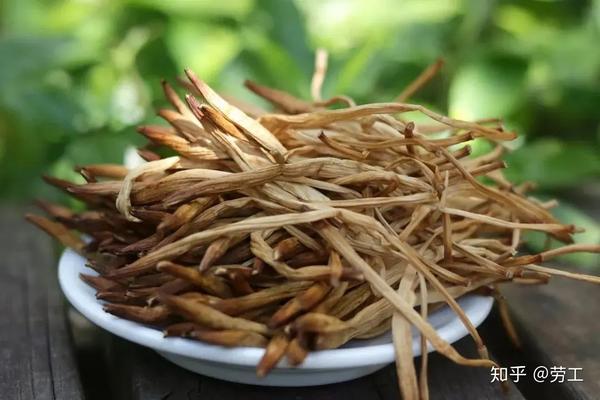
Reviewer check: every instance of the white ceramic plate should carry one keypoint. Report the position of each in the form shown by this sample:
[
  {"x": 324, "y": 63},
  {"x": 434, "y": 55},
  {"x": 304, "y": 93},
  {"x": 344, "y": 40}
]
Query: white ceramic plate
[{"x": 355, "y": 359}]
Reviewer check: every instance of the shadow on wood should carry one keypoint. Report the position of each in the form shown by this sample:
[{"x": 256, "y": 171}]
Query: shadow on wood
[{"x": 139, "y": 373}]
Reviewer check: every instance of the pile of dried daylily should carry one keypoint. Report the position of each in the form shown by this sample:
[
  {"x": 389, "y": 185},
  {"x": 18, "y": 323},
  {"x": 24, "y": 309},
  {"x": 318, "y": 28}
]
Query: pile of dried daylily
[{"x": 305, "y": 228}]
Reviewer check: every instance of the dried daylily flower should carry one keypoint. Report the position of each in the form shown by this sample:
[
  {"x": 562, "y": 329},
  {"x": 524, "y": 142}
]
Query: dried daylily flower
[
  {"x": 123, "y": 202},
  {"x": 303, "y": 229},
  {"x": 274, "y": 352}
]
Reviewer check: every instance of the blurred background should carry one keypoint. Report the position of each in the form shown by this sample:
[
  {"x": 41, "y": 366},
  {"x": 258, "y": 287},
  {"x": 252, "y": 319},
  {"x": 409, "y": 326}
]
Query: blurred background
[{"x": 77, "y": 76}]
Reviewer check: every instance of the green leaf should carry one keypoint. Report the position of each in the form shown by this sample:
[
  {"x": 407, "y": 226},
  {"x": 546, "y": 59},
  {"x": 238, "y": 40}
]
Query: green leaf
[
  {"x": 199, "y": 8},
  {"x": 204, "y": 48},
  {"x": 272, "y": 64},
  {"x": 29, "y": 57},
  {"x": 570, "y": 215},
  {"x": 346, "y": 25},
  {"x": 492, "y": 87},
  {"x": 286, "y": 28},
  {"x": 102, "y": 147},
  {"x": 553, "y": 164},
  {"x": 360, "y": 71},
  {"x": 476, "y": 16}
]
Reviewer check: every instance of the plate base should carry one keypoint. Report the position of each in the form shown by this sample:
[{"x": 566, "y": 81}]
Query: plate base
[
  {"x": 355, "y": 359},
  {"x": 276, "y": 377}
]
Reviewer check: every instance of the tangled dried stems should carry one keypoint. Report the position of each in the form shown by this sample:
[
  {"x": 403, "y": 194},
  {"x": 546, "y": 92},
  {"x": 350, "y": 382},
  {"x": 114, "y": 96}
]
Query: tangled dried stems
[{"x": 305, "y": 228}]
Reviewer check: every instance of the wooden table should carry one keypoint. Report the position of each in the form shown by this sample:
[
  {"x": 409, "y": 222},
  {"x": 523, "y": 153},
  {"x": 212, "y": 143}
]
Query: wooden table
[{"x": 41, "y": 358}]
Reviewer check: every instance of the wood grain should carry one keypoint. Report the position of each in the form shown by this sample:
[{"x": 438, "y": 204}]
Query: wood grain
[
  {"x": 559, "y": 325},
  {"x": 37, "y": 359},
  {"x": 139, "y": 373}
]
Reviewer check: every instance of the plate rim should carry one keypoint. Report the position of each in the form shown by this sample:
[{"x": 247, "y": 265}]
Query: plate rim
[{"x": 81, "y": 297}]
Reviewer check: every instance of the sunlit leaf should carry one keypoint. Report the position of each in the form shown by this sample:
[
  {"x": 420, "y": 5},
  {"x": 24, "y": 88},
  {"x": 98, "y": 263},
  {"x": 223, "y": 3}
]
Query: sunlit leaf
[
  {"x": 361, "y": 20},
  {"x": 487, "y": 88},
  {"x": 204, "y": 48},
  {"x": 360, "y": 70}
]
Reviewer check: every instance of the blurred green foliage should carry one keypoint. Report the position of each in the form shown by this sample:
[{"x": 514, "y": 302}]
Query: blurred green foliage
[{"x": 77, "y": 75}]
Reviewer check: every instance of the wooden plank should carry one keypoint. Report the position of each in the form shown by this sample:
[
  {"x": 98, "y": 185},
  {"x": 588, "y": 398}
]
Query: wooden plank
[
  {"x": 37, "y": 360},
  {"x": 135, "y": 372},
  {"x": 139, "y": 373},
  {"x": 449, "y": 381},
  {"x": 559, "y": 325}
]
